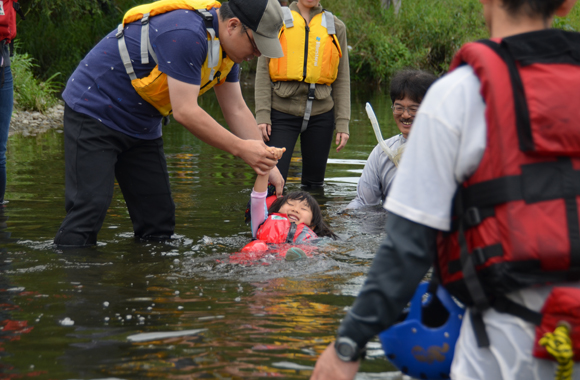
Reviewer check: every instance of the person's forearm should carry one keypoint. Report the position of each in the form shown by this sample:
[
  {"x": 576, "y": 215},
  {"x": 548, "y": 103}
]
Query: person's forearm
[
  {"x": 242, "y": 123},
  {"x": 400, "y": 264},
  {"x": 261, "y": 183}
]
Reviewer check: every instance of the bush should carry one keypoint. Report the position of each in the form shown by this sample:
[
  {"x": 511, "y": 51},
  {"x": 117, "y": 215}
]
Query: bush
[
  {"x": 30, "y": 93},
  {"x": 58, "y": 34},
  {"x": 425, "y": 34}
]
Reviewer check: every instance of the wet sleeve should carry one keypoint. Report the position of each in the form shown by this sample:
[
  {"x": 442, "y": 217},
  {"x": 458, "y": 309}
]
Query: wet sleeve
[
  {"x": 400, "y": 264},
  {"x": 258, "y": 209},
  {"x": 369, "y": 190}
]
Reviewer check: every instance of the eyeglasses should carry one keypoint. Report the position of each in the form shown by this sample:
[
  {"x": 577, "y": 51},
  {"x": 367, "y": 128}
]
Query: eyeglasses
[
  {"x": 399, "y": 110},
  {"x": 256, "y": 50}
]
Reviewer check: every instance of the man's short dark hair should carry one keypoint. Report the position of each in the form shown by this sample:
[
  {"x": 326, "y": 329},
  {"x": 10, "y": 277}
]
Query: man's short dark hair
[
  {"x": 411, "y": 83},
  {"x": 533, "y": 8},
  {"x": 226, "y": 12}
]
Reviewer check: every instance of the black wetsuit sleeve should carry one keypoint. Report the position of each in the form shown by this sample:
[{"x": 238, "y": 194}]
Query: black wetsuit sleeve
[{"x": 400, "y": 264}]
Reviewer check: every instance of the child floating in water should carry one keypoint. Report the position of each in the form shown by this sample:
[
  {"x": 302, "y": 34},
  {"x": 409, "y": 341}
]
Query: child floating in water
[{"x": 291, "y": 219}]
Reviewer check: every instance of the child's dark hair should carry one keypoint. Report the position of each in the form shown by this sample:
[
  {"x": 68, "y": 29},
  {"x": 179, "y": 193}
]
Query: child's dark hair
[
  {"x": 411, "y": 83},
  {"x": 533, "y": 8},
  {"x": 318, "y": 225}
]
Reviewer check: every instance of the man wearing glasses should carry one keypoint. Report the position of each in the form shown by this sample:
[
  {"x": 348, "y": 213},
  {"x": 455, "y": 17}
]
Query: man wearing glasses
[
  {"x": 157, "y": 62},
  {"x": 408, "y": 87}
]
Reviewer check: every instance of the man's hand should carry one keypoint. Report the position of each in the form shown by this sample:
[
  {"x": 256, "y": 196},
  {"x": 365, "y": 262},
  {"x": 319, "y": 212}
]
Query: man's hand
[
  {"x": 341, "y": 139},
  {"x": 330, "y": 367},
  {"x": 265, "y": 130},
  {"x": 258, "y": 155}
]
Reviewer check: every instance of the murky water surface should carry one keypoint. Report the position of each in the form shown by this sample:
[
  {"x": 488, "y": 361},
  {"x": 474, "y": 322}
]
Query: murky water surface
[{"x": 180, "y": 309}]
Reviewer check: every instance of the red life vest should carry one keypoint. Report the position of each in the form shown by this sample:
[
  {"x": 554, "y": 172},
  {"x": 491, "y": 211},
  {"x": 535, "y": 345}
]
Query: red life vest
[
  {"x": 277, "y": 229},
  {"x": 8, "y": 20},
  {"x": 516, "y": 219}
]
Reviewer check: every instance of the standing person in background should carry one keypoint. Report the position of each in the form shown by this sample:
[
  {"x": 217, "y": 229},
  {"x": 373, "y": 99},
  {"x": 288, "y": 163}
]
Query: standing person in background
[
  {"x": 408, "y": 87},
  {"x": 158, "y": 61},
  {"x": 8, "y": 9},
  {"x": 306, "y": 93},
  {"x": 488, "y": 191}
]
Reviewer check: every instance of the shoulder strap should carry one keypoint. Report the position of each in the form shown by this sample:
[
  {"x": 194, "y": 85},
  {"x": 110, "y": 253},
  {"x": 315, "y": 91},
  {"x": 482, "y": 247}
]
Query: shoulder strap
[
  {"x": 213, "y": 45},
  {"x": 288, "y": 18},
  {"x": 329, "y": 18}
]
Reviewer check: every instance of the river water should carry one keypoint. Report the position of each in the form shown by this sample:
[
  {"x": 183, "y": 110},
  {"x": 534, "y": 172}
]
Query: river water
[{"x": 180, "y": 309}]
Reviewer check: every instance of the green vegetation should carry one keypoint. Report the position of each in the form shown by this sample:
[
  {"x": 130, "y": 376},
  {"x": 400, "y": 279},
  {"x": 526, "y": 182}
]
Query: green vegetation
[
  {"x": 425, "y": 34},
  {"x": 30, "y": 93},
  {"x": 59, "y": 33}
]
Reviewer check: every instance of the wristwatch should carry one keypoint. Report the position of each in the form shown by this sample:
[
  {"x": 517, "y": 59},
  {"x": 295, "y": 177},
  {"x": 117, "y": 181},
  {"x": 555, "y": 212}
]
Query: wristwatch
[{"x": 347, "y": 350}]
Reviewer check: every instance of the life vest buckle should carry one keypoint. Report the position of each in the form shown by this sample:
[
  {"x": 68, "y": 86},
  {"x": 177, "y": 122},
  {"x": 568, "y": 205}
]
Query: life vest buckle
[
  {"x": 478, "y": 256},
  {"x": 120, "y": 33},
  {"x": 311, "y": 93},
  {"x": 145, "y": 19},
  {"x": 472, "y": 217}
]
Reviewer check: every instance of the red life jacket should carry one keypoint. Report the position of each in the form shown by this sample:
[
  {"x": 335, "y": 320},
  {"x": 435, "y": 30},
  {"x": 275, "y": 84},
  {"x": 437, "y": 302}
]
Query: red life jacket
[
  {"x": 516, "y": 219},
  {"x": 277, "y": 229},
  {"x": 8, "y": 19}
]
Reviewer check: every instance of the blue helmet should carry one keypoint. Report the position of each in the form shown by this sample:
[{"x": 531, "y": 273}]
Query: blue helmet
[{"x": 422, "y": 346}]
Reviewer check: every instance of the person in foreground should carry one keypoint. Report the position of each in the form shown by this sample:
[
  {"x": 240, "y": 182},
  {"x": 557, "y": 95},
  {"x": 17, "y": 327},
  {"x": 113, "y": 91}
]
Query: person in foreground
[
  {"x": 306, "y": 93},
  {"x": 294, "y": 218},
  {"x": 408, "y": 87},
  {"x": 159, "y": 60},
  {"x": 503, "y": 137}
]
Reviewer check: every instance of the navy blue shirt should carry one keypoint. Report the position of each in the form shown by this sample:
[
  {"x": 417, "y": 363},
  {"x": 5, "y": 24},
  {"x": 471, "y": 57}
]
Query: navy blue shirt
[{"x": 101, "y": 88}]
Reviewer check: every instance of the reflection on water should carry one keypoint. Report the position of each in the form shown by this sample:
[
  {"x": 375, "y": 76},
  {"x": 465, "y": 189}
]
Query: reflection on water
[{"x": 129, "y": 309}]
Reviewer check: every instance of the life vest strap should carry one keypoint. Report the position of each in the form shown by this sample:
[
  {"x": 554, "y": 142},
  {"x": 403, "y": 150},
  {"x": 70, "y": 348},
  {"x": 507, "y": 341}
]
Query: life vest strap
[
  {"x": 523, "y": 123},
  {"x": 288, "y": 18},
  {"x": 291, "y": 232},
  {"x": 543, "y": 181},
  {"x": 329, "y": 21},
  {"x": 538, "y": 182},
  {"x": 145, "y": 43},
  {"x": 471, "y": 279},
  {"x": 505, "y": 305},
  {"x": 308, "y": 109},
  {"x": 213, "y": 46},
  {"x": 480, "y": 255},
  {"x": 124, "y": 53}
]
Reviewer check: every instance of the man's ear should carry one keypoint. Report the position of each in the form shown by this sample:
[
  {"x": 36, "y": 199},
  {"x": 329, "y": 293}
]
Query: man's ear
[
  {"x": 565, "y": 8},
  {"x": 232, "y": 24}
]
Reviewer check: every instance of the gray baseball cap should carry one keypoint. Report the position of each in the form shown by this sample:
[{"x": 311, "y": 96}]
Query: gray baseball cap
[{"x": 265, "y": 19}]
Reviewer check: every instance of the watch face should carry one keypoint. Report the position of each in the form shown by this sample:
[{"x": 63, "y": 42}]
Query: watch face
[{"x": 345, "y": 349}]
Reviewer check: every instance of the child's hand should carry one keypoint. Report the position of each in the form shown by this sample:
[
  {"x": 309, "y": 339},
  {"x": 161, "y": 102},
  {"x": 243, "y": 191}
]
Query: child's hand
[{"x": 278, "y": 152}]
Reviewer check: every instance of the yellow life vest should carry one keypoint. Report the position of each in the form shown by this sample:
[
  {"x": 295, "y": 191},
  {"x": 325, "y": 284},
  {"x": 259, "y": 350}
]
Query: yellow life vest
[
  {"x": 310, "y": 55},
  {"x": 153, "y": 88}
]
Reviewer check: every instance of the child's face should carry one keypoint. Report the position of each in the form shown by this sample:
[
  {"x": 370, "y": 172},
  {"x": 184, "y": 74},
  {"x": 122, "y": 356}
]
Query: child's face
[
  {"x": 308, "y": 3},
  {"x": 404, "y": 113},
  {"x": 297, "y": 211}
]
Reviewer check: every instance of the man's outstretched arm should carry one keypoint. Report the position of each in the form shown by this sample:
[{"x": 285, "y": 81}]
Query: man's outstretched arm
[{"x": 400, "y": 264}]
